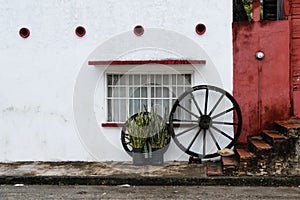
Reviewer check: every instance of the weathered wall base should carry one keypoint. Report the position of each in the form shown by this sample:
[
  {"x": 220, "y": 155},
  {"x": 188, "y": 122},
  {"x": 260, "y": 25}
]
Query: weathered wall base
[{"x": 296, "y": 103}]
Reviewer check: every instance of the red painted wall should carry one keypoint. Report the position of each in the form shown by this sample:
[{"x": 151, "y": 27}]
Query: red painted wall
[
  {"x": 263, "y": 96},
  {"x": 294, "y": 16}
]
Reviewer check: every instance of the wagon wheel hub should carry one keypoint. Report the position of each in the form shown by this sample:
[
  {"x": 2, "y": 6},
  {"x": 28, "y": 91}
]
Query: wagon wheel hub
[{"x": 205, "y": 122}]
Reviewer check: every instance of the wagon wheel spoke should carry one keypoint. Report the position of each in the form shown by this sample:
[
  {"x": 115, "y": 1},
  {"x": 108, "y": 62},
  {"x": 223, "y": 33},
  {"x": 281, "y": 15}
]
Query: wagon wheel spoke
[
  {"x": 196, "y": 104},
  {"x": 206, "y": 101},
  {"x": 225, "y": 123},
  {"x": 214, "y": 139},
  {"x": 127, "y": 143},
  {"x": 223, "y": 133},
  {"x": 193, "y": 140},
  {"x": 187, "y": 130},
  {"x": 204, "y": 142},
  {"x": 185, "y": 120},
  {"x": 217, "y": 127},
  {"x": 216, "y": 105},
  {"x": 223, "y": 113},
  {"x": 180, "y": 106}
]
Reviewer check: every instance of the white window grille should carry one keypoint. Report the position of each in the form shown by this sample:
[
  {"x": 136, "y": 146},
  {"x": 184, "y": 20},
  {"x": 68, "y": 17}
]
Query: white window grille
[{"x": 128, "y": 94}]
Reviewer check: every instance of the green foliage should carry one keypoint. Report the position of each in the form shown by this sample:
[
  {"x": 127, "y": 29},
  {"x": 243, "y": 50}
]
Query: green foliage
[
  {"x": 158, "y": 130},
  {"x": 248, "y": 7},
  {"x": 138, "y": 130},
  {"x": 147, "y": 125}
]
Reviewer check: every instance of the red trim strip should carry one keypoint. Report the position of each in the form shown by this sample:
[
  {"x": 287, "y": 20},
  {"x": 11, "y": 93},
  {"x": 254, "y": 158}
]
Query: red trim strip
[
  {"x": 112, "y": 124},
  {"x": 143, "y": 62}
]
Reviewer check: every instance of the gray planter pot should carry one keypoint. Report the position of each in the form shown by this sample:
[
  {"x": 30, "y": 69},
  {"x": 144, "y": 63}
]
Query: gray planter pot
[
  {"x": 157, "y": 157},
  {"x": 138, "y": 157}
]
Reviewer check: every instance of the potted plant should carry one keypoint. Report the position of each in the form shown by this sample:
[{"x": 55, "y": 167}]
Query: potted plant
[
  {"x": 138, "y": 132},
  {"x": 158, "y": 137},
  {"x": 145, "y": 134}
]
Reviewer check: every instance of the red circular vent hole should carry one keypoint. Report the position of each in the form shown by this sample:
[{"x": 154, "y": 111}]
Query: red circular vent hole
[
  {"x": 138, "y": 30},
  {"x": 24, "y": 32},
  {"x": 80, "y": 31},
  {"x": 200, "y": 29}
]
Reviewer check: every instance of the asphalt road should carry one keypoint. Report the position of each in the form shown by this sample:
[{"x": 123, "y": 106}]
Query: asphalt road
[{"x": 146, "y": 192}]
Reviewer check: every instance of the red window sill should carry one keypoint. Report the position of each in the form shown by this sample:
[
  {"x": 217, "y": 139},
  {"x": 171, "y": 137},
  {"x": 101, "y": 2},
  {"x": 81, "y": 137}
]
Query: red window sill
[
  {"x": 143, "y": 62},
  {"x": 113, "y": 125}
]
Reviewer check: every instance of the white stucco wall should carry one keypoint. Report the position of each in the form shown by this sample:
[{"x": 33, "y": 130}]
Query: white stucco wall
[{"x": 40, "y": 74}]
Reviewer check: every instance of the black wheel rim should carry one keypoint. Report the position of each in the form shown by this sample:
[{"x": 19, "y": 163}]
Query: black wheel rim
[{"x": 205, "y": 119}]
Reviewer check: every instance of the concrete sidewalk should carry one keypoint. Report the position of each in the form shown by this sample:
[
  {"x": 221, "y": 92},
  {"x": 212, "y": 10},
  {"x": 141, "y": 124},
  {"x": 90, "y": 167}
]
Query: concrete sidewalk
[{"x": 118, "y": 173}]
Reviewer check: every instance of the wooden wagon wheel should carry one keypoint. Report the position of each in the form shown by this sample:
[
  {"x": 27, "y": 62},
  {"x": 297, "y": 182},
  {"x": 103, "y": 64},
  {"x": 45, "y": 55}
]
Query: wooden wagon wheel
[
  {"x": 126, "y": 141},
  {"x": 205, "y": 119}
]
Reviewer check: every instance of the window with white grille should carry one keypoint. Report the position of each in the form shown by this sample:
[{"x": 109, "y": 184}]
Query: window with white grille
[{"x": 128, "y": 94}]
